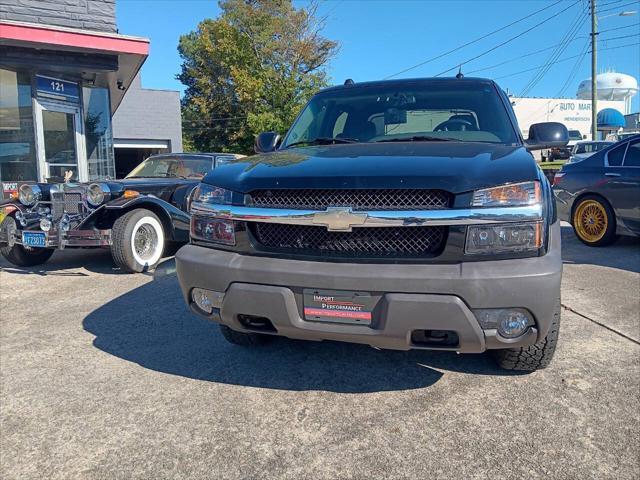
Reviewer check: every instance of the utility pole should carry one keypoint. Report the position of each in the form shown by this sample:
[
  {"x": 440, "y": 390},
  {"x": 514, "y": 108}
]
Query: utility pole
[{"x": 594, "y": 93}]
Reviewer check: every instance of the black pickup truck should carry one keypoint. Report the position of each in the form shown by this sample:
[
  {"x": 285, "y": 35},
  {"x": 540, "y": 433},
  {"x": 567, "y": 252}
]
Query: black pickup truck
[{"x": 400, "y": 214}]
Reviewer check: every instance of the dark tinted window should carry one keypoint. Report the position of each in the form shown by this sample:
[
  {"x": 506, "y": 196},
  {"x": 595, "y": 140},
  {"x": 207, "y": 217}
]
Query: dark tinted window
[
  {"x": 616, "y": 155},
  {"x": 632, "y": 158},
  {"x": 467, "y": 111}
]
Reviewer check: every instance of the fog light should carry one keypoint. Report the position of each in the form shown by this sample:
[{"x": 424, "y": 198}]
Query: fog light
[
  {"x": 207, "y": 300},
  {"x": 45, "y": 225},
  {"x": 510, "y": 322}
]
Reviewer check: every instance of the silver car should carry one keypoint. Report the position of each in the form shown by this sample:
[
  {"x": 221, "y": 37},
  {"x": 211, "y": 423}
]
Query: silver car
[{"x": 584, "y": 149}]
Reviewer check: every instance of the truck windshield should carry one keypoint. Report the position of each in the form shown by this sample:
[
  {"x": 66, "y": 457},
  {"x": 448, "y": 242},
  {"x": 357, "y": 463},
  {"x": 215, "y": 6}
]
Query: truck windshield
[{"x": 420, "y": 111}]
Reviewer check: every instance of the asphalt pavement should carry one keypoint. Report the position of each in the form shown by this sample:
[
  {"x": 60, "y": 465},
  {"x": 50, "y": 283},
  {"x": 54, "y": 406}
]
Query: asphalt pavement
[{"x": 107, "y": 375}]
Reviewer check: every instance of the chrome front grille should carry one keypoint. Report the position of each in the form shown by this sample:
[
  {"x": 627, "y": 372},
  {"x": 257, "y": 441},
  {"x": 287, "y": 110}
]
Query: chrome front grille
[
  {"x": 363, "y": 242},
  {"x": 66, "y": 202},
  {"x": 367, "y": 199}
]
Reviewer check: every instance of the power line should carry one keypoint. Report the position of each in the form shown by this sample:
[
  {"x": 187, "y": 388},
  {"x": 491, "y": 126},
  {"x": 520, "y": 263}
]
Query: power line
[
  {"x": 619, "y": 28},
  {"x": 610, "y": 3},
  {"x": 519, "y": 57},
  {"x": 574, "y": 70},
  {"x": 565, "y": 60},
  {"x": 598, "y": 11},
  {"x": 473, "y": 41},
  {"x": 509, "y": 40},
  {"x": 564, "y": 43}
]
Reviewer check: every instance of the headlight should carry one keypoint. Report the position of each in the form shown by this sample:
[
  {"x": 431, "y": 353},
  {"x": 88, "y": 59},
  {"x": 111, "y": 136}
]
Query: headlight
[
  {"x": 96, "y": 193},
  {"x": 209, "y": 194},
  {"x": 506, "y": 238},
  {"x": 513, "y": 195},
  {"x": 29, "y": 194}
]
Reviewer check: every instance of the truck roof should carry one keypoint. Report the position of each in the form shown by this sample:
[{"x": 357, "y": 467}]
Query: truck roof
[{"x": 409, "y": 81}]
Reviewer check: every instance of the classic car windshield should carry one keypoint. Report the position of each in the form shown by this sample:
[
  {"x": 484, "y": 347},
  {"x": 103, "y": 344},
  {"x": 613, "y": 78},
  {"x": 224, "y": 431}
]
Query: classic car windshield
[
  {"x": 420, "y": 111},
  {"x": 178, "y": 167}
]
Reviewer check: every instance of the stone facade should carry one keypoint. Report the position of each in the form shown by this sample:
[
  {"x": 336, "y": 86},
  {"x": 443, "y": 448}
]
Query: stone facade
[{"x": 97, "y": 15}]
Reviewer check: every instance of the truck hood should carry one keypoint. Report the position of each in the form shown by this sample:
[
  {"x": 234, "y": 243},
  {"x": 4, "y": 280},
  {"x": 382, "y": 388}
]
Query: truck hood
[{"x": 456, "y": 167}]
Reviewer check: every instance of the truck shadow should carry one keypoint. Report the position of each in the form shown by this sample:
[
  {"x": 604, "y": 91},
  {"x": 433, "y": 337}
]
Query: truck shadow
[
  {"x": 152, "y": 327},
  {"x": 92, "y": 260},
  {"x": 624, "y": 254}
]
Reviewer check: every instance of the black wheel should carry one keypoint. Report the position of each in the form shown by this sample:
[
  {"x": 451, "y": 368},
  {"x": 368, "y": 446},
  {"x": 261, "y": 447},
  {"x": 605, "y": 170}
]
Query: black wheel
[
  {"x": 533, "y": 357},
  {"x": 138, "y": 241},
  {"x": 26, "y": 256},
  {"x": 244, "y": 339},
  {"x": 594, "y": 221},
  {"x": 22, "y": 256}
]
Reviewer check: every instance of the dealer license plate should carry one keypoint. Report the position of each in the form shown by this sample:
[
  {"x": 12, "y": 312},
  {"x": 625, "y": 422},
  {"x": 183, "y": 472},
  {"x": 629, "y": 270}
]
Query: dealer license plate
[
  {"x": 34, "y": 239},
  {"x": 338, "y": 306}
]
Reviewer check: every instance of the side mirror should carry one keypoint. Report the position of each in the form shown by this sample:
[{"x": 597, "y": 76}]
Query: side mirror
[
  {"x": 267, "y": 142},
  {"x": 547, "y": 135}
]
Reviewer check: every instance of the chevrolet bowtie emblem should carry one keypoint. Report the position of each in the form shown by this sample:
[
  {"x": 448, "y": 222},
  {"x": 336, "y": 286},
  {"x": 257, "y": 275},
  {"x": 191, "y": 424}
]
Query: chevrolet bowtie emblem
[{"x": 339, "y": 219}]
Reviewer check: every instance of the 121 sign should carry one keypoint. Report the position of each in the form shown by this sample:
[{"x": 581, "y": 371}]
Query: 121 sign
[{"x": 57, "y": 88}]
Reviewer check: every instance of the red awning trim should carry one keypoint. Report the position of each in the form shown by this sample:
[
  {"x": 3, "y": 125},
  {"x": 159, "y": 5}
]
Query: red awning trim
[{"x": 77, "y": 39}]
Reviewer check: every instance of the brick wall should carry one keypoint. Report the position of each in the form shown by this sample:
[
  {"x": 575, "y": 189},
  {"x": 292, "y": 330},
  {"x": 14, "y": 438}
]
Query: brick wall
[
  {"x": 98, "y": 15},
  {"x": 146, "y": 114}
]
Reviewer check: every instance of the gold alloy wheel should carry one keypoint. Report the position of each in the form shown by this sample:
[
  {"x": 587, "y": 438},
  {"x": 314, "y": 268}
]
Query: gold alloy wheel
[{"x": 590, "y": 221}]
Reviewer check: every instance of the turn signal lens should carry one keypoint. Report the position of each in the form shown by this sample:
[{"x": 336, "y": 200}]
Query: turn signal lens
[
  {"x": 516, "y": 194},
  {"x": 130, "y": 194}
]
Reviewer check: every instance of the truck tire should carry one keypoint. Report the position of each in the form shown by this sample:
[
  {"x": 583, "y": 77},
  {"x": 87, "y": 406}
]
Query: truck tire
[
  {"x": 26, "y": 256},
  {"x": 533, "y": 357},
  {"x": 138, "y": 241},
  {"x": 242, "y": 338}
]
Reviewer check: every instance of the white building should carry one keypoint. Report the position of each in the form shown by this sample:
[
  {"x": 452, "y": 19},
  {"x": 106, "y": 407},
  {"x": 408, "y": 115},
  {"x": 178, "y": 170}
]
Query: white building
[{"x": 574, "y": 114}]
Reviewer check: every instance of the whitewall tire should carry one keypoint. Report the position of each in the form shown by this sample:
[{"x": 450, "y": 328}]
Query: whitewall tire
[{"x": 138, "y": 240}]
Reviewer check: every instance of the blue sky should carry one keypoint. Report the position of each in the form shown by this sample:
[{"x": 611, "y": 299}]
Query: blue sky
[{"x": 381, "y": 37}]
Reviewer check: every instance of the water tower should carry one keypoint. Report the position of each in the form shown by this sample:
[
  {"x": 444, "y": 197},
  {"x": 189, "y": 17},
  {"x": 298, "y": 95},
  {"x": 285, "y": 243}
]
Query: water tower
[{"x": 611, "y": 86}]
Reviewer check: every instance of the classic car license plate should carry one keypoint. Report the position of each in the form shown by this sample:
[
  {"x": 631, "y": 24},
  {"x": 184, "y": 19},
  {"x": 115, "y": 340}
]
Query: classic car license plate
[
  {"x": 338, "y": 306},
  {"x": 34, "y": 239}
]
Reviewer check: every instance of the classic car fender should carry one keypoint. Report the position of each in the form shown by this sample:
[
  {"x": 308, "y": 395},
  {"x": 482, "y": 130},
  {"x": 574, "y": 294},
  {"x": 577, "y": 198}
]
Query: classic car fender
[{"x": 175, "y": 221}]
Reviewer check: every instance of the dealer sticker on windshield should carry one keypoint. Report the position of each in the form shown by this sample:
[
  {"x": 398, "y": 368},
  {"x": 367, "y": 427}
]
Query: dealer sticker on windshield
[{"x": 338, "y": 306}]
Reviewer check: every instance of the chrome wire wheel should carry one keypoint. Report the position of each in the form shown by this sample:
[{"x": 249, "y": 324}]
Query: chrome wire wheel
[
  {"x": 590, "y": 221},
  {"x": 145, "y": 241}
]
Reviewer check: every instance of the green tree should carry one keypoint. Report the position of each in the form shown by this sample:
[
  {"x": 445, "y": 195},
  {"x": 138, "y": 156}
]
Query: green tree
[{"x": 250, "y": 70}]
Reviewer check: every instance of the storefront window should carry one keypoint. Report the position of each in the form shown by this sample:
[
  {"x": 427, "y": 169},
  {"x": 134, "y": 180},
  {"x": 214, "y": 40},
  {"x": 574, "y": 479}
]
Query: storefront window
[
  {"x": 17, "y": 145},
  {"x": 97, "y": 125}
]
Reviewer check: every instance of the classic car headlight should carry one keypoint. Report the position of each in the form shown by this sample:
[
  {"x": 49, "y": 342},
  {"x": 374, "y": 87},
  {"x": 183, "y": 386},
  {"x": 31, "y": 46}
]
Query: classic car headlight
[
  {"x": 512, "y": 195},
  {"x": 29, "y": 194},
  {"x": 96, "y": 193},
  {"x": 209, "y": 194}
]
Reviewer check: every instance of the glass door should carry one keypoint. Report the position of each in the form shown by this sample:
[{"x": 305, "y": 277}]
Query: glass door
[{"x": 60, "y": 143}]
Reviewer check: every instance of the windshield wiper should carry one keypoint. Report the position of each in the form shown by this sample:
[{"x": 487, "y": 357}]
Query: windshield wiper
[
  {"x": 419, "y": 138},
  {"x": 323, "y": 141}
]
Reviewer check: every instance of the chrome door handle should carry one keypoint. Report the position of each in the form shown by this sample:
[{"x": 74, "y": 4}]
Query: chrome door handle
[{"x": 612, "y": 174}]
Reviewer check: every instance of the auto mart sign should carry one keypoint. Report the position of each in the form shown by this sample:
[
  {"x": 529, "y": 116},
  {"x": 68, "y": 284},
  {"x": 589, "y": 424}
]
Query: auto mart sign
[{"x": 574, "y": 114}]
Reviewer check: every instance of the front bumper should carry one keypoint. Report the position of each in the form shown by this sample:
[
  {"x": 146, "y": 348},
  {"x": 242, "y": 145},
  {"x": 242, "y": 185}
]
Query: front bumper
[
  {"x": 411, "y": 297},
  {"x": 61, "y": 239}
]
